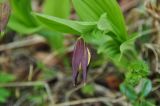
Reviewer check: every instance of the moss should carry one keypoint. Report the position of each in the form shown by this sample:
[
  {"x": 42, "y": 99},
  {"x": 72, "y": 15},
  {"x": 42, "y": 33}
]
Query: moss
[{"x": 137, "y": 71}]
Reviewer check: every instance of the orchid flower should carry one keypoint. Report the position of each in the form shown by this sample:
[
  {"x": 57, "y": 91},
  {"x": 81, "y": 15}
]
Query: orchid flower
[{"x": 80, "y": 60}]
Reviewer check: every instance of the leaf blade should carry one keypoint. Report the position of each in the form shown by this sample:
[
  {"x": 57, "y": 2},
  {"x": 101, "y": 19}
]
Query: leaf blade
[
  {"x": 63, "y": 25},
  {"x": 58, "y": 8}
]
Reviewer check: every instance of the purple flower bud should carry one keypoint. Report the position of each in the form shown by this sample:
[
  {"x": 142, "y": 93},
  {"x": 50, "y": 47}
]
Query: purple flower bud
[{"x": 80, "y": 60}]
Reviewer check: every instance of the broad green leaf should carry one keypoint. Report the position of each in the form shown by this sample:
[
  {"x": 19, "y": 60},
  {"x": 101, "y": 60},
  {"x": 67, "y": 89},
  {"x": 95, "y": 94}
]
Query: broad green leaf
[
  {"x": 65, "y": 26},
  {"x": 20, "y": 27},
  {"x": 21, "y": 19},
  {"x": 91, "y": 10},
  {"x": 128, "y": 91},
  {"x": 5, "y": 77},
  {"x": 58, "y": 8},
  {"x": 4, "y": 94},
  {"x": 21, "y": 13},
  {"x": 145, "y": 87},
  {"x": 84, "y": 11},
  {"x": 115, "y": 15},
  {"x": 61, "y": 9}
]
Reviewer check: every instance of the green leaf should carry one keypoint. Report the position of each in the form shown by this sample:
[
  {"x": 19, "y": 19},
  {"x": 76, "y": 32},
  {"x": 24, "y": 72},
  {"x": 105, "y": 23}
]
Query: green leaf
[
  {"x": 145, "y": 87},
  {"x": 4, "y": 94},
  {"x": 58, "y": 8},
  {"x": 143, "y": 102},
  {"x": 91, "y": 10},
  {"x": 95, "y": 37},
  {"x": 147, "y": 103},
  {"x": 88, "y": 89},
  {"x": 21, "y": 19},
  {"x": 129, "y": 44},
  {"x": 5, "y": 77},
  {"x": 65, "y": 26},
  {"x": 21, "y": 13},
  {"x": 104, "y": 24},
  {"x": 84, "y": 11},
  {"x": 20, "y": 27},
  {"x": 110, "y": 48},
  {"x": 128, "y": 91}
]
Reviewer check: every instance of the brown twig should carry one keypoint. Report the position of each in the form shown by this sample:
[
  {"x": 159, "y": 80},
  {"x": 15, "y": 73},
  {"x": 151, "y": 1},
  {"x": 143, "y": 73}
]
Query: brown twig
[
  {"x": 24, "y": 43},
  {"x": 153, "y": 53},
  {"x": 92, "y": 100}
]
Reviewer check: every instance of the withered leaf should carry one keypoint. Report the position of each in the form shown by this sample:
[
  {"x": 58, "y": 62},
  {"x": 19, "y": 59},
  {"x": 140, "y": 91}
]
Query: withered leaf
[{"x": 4, "y": 14}]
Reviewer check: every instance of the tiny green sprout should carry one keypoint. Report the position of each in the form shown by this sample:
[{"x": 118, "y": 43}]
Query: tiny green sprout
[{"x": 80, "y": 60}]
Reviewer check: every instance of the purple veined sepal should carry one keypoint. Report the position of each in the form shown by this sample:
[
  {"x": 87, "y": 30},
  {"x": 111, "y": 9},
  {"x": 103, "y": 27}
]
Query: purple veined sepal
[{"x": 80, "y": 60}]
